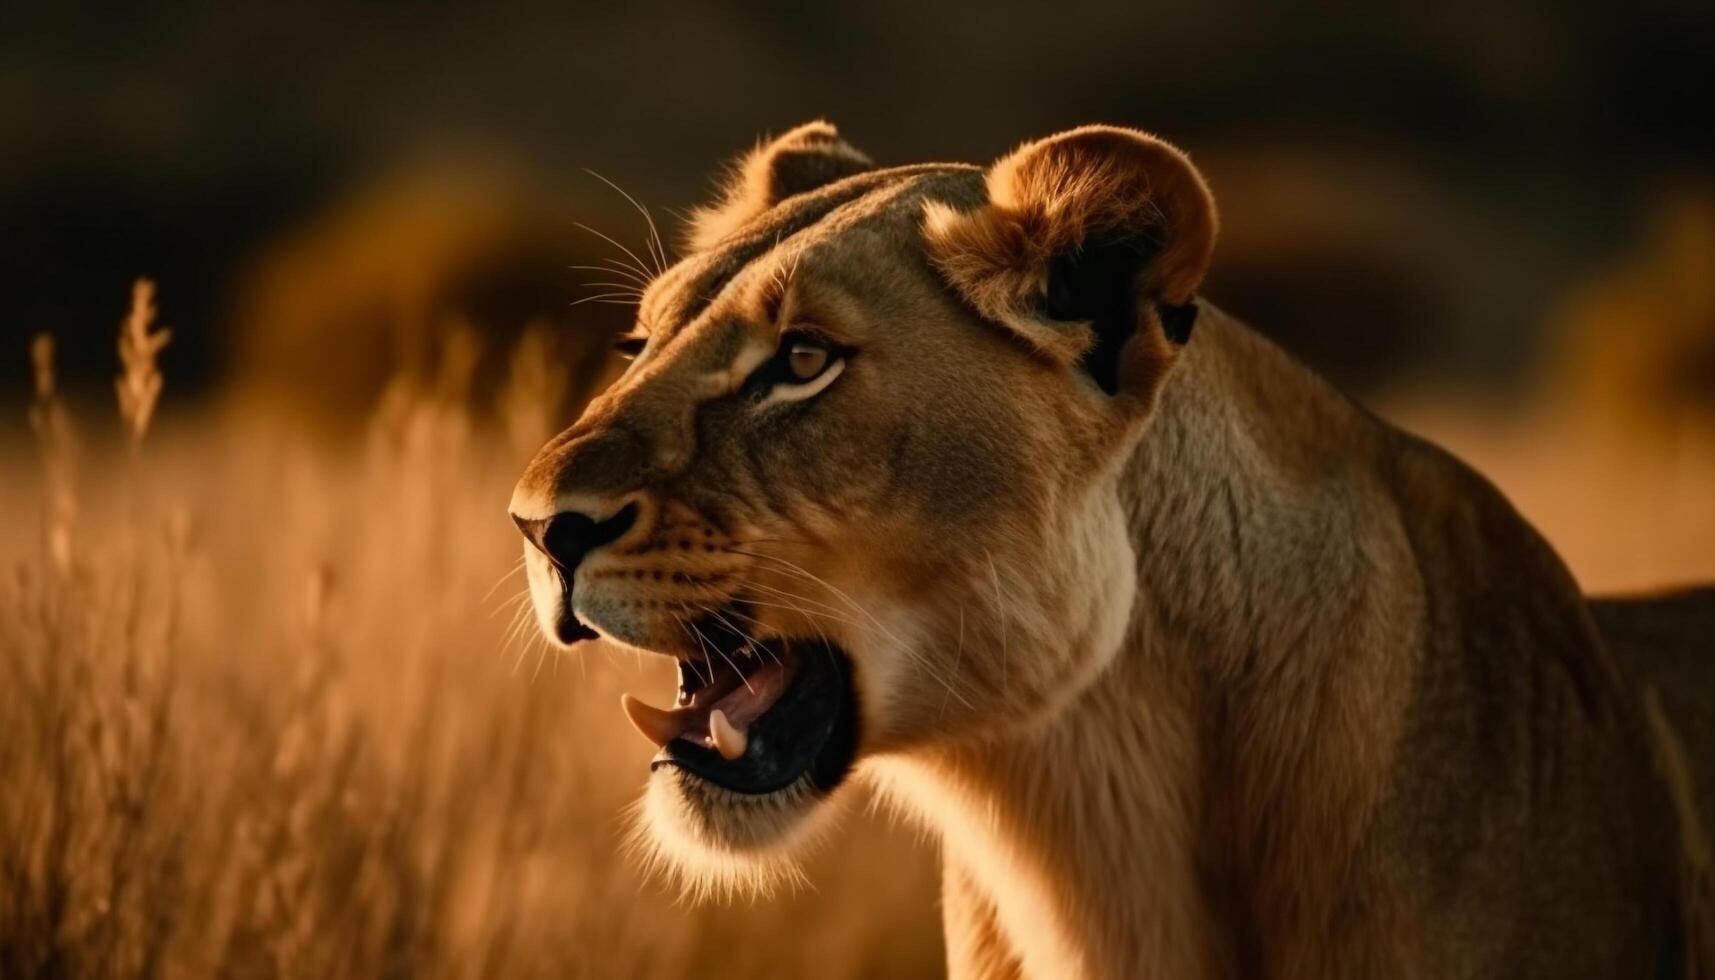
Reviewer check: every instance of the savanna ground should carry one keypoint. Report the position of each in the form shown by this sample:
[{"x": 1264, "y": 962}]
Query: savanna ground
[{"x": 270, "y": 705}]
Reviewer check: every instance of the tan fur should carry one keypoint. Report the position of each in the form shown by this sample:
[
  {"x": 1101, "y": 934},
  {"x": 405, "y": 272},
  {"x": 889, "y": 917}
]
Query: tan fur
[
  {"x": 807, "y": 155},
  {"x": 1212, "y": 676},
  {"x": 1053, "y": 195}
]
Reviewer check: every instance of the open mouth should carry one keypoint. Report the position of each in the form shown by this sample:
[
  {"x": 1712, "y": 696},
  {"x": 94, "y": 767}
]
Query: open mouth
[{"x": 757, "y": 719}]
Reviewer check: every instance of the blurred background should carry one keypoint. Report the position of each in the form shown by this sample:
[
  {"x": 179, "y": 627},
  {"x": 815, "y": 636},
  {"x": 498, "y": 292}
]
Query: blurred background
[
  {"x": 256, "y": 678},
  {"x": 1406, "y": 193}
]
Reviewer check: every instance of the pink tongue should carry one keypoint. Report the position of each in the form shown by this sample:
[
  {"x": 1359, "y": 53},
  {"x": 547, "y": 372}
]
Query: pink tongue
[
  {"x": 742, "y": 705},
  {"x": 757, "y": 694}
]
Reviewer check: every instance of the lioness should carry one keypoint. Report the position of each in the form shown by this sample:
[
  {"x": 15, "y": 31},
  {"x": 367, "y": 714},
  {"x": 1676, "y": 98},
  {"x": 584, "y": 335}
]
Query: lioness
[{"x": 947, "y": 479}]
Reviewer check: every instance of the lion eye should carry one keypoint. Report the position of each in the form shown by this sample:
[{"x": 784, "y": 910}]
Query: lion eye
[
  {"x": 802, "y": 366},
  {"x": 629, "y": 346},
  {"x": 806, "y": 360}
]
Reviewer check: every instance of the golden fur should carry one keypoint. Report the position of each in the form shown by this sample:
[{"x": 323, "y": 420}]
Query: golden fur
[
  {"x": 1195, "y": 668},
  {"x": 806, "y": 157}
]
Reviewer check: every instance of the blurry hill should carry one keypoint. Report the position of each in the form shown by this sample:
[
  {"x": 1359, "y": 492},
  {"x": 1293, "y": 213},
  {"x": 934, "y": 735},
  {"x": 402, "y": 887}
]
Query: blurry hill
[
  {"x": 1636, "y": 353},
  {"x": 379, "y": 286},
  {"x": 1408, "y": 192}
]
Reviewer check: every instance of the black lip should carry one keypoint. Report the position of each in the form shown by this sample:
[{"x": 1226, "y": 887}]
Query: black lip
[
  {"x": 570, "y": 629},
  {"x": 811, "y": 730}
]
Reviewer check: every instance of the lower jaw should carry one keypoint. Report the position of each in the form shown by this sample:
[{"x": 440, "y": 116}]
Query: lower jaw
[{"x": 718, "y": 837}]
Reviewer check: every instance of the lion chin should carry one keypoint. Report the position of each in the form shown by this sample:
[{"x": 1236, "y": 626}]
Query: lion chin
[
  {"x": 714, "y": 843},
  {"x": 758, "y": 738}
]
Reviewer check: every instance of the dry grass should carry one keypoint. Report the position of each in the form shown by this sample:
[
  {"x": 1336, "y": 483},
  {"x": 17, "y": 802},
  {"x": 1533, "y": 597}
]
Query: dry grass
[
  {"x": 268, "y": 707},
  {"x": 258, "y": 718}
]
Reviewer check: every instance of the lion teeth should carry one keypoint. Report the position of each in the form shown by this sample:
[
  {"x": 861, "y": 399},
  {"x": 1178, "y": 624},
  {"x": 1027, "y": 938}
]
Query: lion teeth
[
  {"x": 654, "y": 724},
  {"x": 729, "y": 739}
]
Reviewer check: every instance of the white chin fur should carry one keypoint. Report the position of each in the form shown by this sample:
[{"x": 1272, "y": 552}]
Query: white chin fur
[{"x": 715, "y": 843}]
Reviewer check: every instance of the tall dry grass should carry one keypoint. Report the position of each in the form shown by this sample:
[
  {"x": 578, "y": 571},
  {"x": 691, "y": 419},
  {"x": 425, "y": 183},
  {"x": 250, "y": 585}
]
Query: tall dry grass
[
  {"x": 269, "y": 707},
  {"x": 263, "y": 714}
]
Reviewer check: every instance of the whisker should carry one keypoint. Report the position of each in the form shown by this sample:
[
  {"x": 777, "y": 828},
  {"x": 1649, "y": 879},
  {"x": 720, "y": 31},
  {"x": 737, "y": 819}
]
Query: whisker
[
  {"x": 640, "y": 269},
  {"x": 515, "y": 629},
  {"x": 523, "y": 651},
  {"x": 541, "y": 657},
  {"x": 1004, "y": 653},
  {"x": 631, "y": 300},
  {"x": 814, "y": 620},
  {"x": 508, "y": 574},
  {"x": 511, "y": 603},
  {"x": 511, "y": 636},
  {"x": 836, "y": 590},
  {"x": 520, "y": 616},
  {"x": 619, "y": 266},
  {"x": 658, "y": 252},
  {"x": 696, "y": 638},
  {"x": 754, "y": 642},
  {"x": 783, "y": 594},
  {"x": 958, "y": 658},
  {"x": 611, "y": 268},
  {"x": 623, "y": 286},
  {"x": 749, "y": 642},
  {"x": 705, "y": 644},
  {"x": 929, "y": 667}
]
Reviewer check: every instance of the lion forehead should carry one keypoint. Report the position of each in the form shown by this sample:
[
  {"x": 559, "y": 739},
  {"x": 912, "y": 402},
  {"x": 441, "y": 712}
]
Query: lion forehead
[{"x": 824, "y": 220}]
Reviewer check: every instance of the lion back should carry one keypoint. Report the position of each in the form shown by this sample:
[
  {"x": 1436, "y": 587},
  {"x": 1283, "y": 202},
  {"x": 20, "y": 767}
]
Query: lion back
[{"x": 1667, "y": 642}]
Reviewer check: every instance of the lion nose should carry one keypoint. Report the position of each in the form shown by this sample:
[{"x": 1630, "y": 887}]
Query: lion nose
[{"x": 569, "y": 536}]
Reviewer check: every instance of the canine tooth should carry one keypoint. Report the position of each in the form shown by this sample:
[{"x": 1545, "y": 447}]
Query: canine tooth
[
  {"x": 729, "y": 740},
  {"x": 659, "y": 727}
]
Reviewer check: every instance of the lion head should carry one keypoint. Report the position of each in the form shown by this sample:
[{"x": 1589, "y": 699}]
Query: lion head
[{"x": 861, "y": 477}]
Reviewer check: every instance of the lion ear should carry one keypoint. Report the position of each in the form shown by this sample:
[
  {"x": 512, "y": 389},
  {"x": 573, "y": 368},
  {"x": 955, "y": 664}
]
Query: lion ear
[
  {"x": 810, "y": 156},
  {"x": 1102, "y": 227}
]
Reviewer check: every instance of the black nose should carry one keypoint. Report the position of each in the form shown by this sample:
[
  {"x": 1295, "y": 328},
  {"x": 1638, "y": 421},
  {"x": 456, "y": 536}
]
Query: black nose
[{"x": 567, "y": 537}]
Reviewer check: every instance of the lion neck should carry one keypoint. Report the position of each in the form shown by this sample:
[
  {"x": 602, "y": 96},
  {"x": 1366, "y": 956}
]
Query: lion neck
[{"x": 1126, "y": 832}]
